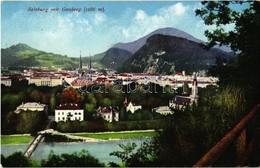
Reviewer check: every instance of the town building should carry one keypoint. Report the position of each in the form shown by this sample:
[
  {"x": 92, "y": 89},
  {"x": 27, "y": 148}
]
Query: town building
[
  {"x": 163, "y": 110},
  {"x": 31, "y": 106},
  {"x": 69, "y": 112},
  {"x": 6, "y": 81},
  {"x": 108, "y": 113},
  {"x": 182, "y": 101},
  {"x": 132, "y": 107},
  {"x": 45, "y": 81}
]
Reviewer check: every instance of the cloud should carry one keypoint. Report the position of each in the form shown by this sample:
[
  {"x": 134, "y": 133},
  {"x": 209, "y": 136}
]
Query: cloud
[
  {"x": 100, "y": 18},
  {"x": 142, "y": 23},
  {"x": 140, "y": 15},
  {"x": 179, "y": 9},
  {"x": 125, "y": 33}
]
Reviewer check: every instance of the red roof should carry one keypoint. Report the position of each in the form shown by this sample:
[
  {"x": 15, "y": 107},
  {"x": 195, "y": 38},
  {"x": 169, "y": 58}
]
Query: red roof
[
  {"x": 106, "y": 110},
  {"x": 68, "y": 106}
]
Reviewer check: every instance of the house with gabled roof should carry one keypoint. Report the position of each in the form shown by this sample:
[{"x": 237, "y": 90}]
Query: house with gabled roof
[{"x": 108, "y": 113}]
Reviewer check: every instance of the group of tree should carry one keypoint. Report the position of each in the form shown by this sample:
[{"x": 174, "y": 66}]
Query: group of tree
[
  {"x": 100, "y": 125},
  {"x": 244, "y": 40},
  {"x": 81, "y": 159},
  {"x": 189, "y": 134},
  {"x": 20, "y": 92}
]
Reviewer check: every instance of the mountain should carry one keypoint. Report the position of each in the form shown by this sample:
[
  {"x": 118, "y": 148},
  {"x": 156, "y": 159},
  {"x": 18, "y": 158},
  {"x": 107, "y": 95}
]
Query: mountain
[
  {"x": 114, "y": 58},
  {"x": 116, "y": 55},
  {"x": 137, "y": 44},
  {"x": 22, "y": 55},
  {"x": 167, "y": 54},
  {"x": 133, "y": 47}
]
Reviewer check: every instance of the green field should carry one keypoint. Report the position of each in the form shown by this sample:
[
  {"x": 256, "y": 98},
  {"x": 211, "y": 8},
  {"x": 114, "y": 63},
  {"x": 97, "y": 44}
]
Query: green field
[
  {"x": 13, "y": 139},
  {"x": 118, "y": 135}
]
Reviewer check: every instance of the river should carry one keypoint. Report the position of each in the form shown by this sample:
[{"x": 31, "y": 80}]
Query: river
[{"x": 100, "y": 150}]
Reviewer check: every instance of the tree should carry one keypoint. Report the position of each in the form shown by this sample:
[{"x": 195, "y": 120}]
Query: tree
[
  {"x": 142, "y": 157},
  {"x": 52, "y": 103},
  {"x": 16, "y": 160},
  {"x": 244, "y": 39},
  {"x": 35, "y": 121},
  {"x": 81, "y": 159},
  {"x": 69, "y": 95},
  {"x": 107, "y": 102},
  {"x": 91, "y": 102}
]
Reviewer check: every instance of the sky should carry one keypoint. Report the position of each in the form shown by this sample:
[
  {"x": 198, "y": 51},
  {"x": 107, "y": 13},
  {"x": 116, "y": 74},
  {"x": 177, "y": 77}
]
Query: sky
[{"x": 92, "y": 32}]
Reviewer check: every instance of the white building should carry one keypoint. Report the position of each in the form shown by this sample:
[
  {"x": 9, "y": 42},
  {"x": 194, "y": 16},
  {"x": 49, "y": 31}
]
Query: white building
[
  {"x": 163, "y": 110},
  {"x": 31, "y": 106},
  {"x": 69, "y": 112},
  {"x": 108, "y": 113},
  {"x": 131, "y": 107},
  {"x": 6, "y": 81},
  {"x": 45, "y": 81}
]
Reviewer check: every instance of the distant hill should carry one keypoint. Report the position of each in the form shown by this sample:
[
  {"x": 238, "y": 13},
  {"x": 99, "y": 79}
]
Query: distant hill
[
  {"x": 120, "y": 52},
  {"x": 137, "y": 44},
  {"x": 22, "y": 55},
  {"x": 114, "y": 58},
  {"x": 167, "y": 54},
  {"x": 133, "y": 47}
]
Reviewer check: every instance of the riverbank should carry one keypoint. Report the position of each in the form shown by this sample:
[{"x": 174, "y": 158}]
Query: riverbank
[
  {"x": 101, "y": 150},
  {"x": 118, "y": 135},
  {"x": 16, "y": 139},
  {"x": 85, "y": 136}
]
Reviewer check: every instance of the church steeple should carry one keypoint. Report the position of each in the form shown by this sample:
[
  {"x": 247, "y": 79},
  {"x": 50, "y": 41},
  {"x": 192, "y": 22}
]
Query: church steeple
[
  {"x": 90, "y": 69},
  {"x": 80, "y": 61},
  {"x": 194, "y": 89},
  {"x": 90, "y": 63}
]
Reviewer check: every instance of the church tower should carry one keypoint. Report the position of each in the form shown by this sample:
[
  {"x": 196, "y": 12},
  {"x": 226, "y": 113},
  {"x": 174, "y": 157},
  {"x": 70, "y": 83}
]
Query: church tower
[
  {"x": 194, "y": 89},
  {"x": 80, "y": 66},
  {"x": 90, "y": 69},
  {"x": 80, "y": 61}
]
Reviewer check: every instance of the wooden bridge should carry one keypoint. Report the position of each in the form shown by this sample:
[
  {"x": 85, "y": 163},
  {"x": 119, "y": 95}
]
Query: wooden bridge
[{"x": 238, "y": 132}]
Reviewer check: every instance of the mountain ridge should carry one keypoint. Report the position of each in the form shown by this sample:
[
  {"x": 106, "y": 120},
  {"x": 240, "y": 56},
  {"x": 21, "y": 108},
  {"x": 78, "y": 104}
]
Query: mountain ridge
[
  {"x": 22, "y": 55},
  {"x": 167, "y": 54},
  {"x": 137, "y": 44}
]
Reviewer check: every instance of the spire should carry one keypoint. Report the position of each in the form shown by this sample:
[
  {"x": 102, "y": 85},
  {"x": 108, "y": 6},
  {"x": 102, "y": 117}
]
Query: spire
[
  {"x": 90, "y": 71},
  {"x": 80, "y": 61},
  {"x": 90, "y": 63},
  {"x": 126, "y": 101},
  {"x": 194, "y": 91}
]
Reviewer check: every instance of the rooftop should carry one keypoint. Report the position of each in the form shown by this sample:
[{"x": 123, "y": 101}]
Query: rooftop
[
  {"x": 68, "y": 106},
  {"x": 31, "y": 105}
]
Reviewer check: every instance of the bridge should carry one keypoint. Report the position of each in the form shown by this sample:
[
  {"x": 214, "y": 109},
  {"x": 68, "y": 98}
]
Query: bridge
[
  {"x": 237, "y": 133},
  {"x": 33, "y": 145},
  {"x": 36, "y": 141}
]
